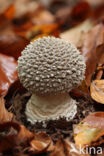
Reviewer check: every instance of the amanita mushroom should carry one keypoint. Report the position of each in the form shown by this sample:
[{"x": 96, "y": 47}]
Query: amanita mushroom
[{"x": 49, "y": 68}]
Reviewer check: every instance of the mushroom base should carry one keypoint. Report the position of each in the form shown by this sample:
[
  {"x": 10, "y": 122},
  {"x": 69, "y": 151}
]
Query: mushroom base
[{"x": 51, "y": 107}]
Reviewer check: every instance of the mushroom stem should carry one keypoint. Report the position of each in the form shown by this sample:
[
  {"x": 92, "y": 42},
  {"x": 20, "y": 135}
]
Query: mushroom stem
[{"x": 52, "y": 107}]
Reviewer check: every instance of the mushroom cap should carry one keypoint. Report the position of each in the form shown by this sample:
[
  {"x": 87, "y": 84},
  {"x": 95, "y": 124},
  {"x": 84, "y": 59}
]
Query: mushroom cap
[{"x": 50, "y": 65}]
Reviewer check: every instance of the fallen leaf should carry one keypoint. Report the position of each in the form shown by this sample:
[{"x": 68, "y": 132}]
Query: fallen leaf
[
  {"x": 8, "y": 133},
  {"x": 92, "y": 49},
  {"x": 91, "y": 44},
  {"x": 5, "y": 5},
  {"x": 43, "y": 17},
  {"x": 24, "y": 7},
  {"x": 58, "y": 3},
  {"x": 81, "y": 91},
  {"x": 90, "y": 131},
  {"x": 4, "y": 114},
  {"x": 12, "y": 45},
  {"x": 8, "y": 73},
  {"x": 14, "y": 102},
  {"x": 13, "y": 135},
  {"x": 73, "y": 150},
  {"x": 24, "y": 135},
  {"x": 74, "y": 35},
  {"x": 95, "y": 3},
  {"x": 99, "y": 13},
  {"x": 42, "y": 30},
  {"x": 60, "y": 149},
  {"x": 6, "y": 13},
  {"x": 69, "y": 16},
  {"x": 16, "y": 85},
  {"x": 41, "y": 143},
  {"x": 9, "y": 13},
  {"x": 63, "y": 14},
  {"x": 99, "y": 73},
  {"x": 97, "y": 90},
  {"x": 80, "y": 12},
  {"x": 66, "y": 148},
  {"x": 7, "y": 30}
]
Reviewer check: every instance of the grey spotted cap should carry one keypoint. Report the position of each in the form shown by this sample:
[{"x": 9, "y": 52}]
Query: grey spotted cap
[{"x": 50, "y": 65}]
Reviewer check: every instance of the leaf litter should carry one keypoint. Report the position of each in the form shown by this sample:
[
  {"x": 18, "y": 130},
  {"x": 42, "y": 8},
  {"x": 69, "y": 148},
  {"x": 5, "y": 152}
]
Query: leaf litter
[{"x": 81, "y": 23}]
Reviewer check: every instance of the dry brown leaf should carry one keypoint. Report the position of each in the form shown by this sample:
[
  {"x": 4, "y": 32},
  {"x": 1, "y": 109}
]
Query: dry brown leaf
[
  {"x": 24, "y": 7},
  {"x": 17, "y": 134},
  {"x": 90, "y": 131},
  {"x": 92, "y": 49},
  {"x": 9, "y": 13},
  {"x": 73, "y": 150},
  {"x": 8, "y": 73},
  {"x": 24, "y": 135},
  {"x": 60, "y": 149},
  {"x": 66, "y": 148},
  {"x": 6, "y": 13},
  {"x": 41, "y": 143},
  {"x": 97, "y": 90},
  {"x": 12, "y": 45},
  {"x": 12, "y": 135},
  {"x": 4, "y": 4},
  {"x": 4, "y": 114},
  {"x": 70, "y": 16},
  {"x": 8, "y": 133},
  {"x": 81, "y": 91},
  {"x": 43, "y": 17},
  {"x": 80, "y": 12},
  {"x": 74, "y": 35},
  {"x": 38, "y": 147},
  {"x": 91, "y": 44},
  {"x": 95, "y": 3},
  {"x": 42, "y": 30},
  {"x": 99, "y": 74},
  {"x": 17, "y": 104},
  {"x": 63, "y": 14}
]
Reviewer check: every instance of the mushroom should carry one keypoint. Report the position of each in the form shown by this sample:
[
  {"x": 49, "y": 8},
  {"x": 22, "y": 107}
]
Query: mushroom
[{"x": 49, "y": 68}]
